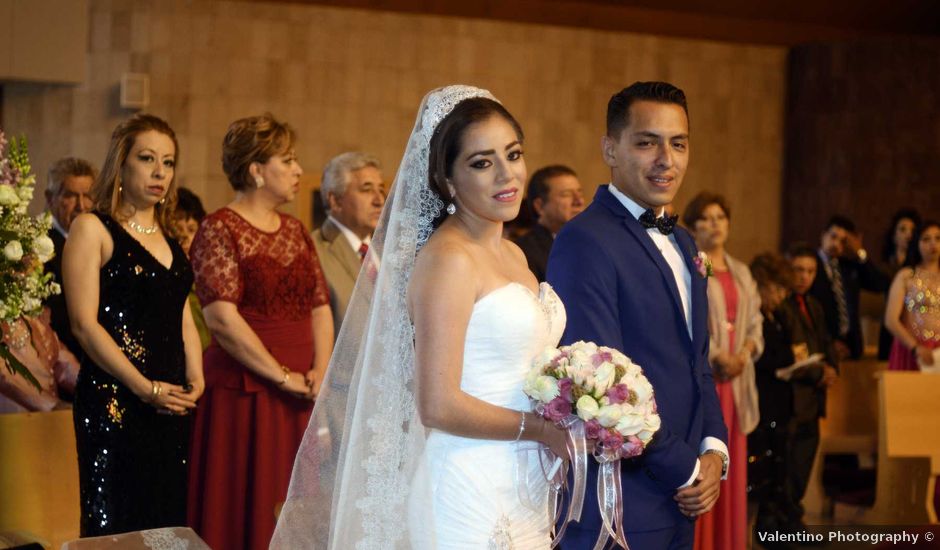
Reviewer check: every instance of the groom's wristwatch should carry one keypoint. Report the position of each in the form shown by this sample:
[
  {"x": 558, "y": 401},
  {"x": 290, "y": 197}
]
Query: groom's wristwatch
[{"x": 722, "y": 456}]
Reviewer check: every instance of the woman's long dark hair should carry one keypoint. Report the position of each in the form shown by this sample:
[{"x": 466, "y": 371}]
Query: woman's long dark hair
[
  {"x": 889, "y": 249},
  {"x": 913, "y": 250}
]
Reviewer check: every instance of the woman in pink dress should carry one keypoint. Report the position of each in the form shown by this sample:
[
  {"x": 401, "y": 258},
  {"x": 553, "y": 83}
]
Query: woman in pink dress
[
  {"x": 735, "y": 325},
  {"x": 33, "y": 342},
  {"x": 267, "y": 306},
  {"x": 912, "y": 313}
]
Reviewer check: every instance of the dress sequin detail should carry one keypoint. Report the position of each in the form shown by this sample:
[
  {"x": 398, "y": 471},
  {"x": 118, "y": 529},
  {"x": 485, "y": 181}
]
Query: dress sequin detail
[
  {"x": 922, "y": 303},
  {"x": 502, "y": 535},
  {"x": 133, "y": 461}
]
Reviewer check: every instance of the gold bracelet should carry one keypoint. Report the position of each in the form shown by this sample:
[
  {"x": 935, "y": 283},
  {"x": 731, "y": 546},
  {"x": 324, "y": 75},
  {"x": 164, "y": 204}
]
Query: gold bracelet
[
  {"x": 154, "y": 390},
  {"x": 287, "y": 372}
]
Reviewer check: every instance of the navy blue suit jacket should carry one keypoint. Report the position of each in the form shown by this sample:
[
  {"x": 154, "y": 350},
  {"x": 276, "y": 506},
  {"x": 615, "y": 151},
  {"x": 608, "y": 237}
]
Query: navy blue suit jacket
[{"x": 620, "y": 292}]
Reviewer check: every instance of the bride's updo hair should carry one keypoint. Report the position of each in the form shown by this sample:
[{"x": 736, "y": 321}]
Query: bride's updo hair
[{"x": 448, "y": 137}]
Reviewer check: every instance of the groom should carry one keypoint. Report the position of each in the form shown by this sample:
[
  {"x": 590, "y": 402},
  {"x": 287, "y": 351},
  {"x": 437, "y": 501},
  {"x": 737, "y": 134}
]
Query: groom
[{"x": 628, "y": 279}]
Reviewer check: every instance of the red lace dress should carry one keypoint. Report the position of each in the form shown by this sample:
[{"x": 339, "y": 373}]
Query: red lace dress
[{"x": 246, "y": 429}]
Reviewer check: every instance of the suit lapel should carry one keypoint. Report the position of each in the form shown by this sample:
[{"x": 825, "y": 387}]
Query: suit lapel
[
  {"x": 340, "y": 249},
  {"x": 698, "y": 286},
  {"x": 646, "y": 242},
  {"x": 639, "y": 233}
]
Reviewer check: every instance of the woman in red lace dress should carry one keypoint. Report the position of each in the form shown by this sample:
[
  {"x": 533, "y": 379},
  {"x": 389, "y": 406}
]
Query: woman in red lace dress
[{"x": 266, "y": 303}]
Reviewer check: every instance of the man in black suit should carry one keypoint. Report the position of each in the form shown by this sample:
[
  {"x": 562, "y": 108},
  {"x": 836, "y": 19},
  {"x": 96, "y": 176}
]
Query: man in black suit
[
  {"x": 67, "y": 195},
  {"x": 806, "y": 324},
  {"x": 843, "y": 270},
  {"x": 555, "y": 197}
]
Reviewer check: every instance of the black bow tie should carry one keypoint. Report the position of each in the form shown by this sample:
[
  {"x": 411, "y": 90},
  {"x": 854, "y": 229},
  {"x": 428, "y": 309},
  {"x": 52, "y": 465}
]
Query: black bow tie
[{"x": 665, "y": 224}]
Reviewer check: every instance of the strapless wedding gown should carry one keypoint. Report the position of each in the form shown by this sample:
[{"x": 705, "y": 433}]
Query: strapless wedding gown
[{"x": 466, "y": 492}]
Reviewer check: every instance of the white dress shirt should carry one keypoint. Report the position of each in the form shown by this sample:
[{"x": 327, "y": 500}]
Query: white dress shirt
[
  {"x": 669, "y": 248},
  {"x": 354, "y": 241},
  {"x": 58, "y": 227}
]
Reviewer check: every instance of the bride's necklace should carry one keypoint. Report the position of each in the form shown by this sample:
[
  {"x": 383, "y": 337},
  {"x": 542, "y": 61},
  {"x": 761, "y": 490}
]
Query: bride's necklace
[{"x": 141, "y": 229}]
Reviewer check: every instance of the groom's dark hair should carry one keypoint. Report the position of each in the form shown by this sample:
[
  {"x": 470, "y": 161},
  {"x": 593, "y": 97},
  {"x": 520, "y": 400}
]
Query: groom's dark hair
[{"x": 618, "y": 108}]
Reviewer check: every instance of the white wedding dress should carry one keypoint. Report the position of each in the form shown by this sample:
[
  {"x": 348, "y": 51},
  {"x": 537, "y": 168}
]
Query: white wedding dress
[{"x": 466, "y": 493}]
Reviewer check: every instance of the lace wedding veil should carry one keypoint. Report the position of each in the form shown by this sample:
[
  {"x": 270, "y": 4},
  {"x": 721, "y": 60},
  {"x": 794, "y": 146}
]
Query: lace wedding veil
[{"x": 353, "y": 472}]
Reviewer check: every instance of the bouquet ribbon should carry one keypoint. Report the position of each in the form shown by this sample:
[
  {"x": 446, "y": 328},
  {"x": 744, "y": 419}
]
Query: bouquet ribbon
[
  {"x": 577, "y": 451},
  {"x": 610, "y": 500}
]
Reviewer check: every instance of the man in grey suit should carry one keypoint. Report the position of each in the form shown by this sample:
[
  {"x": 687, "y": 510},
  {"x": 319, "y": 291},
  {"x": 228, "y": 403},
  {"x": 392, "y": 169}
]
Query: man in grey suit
[{"x": 353, "y": 194}]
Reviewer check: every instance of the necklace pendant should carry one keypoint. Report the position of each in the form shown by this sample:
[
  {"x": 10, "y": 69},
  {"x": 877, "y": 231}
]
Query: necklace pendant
[{"x": 141, "y": 229}]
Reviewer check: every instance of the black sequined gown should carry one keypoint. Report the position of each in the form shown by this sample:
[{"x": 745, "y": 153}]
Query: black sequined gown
[{"x": 132, "y": 460}]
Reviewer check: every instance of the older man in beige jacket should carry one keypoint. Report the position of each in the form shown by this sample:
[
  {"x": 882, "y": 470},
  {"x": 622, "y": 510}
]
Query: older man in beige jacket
[{"x": 353, "y": 194}]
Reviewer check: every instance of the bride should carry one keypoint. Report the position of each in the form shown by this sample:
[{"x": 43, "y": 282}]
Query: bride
[{"x": 422, "y": 436}]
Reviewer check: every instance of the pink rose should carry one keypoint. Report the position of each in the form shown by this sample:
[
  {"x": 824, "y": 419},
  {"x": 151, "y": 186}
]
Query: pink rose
[
  {"x": 611, "y": 439},
  {"x": 632, "y": 447},
  {"x": 618, "y": 394},
  {"x": 592, "y": 429},
  {"x": 564, "y": 389},
  {"x": 557, "y": 409},
  {"x": 601, "y": 357}
]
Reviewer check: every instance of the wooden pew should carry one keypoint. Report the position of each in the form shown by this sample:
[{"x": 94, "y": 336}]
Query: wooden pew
[
  {"x": 908, "y": 449},
  {"x": 39, "y": 476},
  {"x": 850, "y": 426}
]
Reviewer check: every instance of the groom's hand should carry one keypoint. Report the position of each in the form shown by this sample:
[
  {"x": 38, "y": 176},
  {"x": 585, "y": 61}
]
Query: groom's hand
[{"x": 701, "y": 496}]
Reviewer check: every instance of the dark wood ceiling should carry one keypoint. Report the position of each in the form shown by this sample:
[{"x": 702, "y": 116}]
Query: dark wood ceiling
[{"x": 779, "y": 22}]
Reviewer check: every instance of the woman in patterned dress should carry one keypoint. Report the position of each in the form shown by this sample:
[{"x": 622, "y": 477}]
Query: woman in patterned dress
[
  {"x": 267, "y": 306},
  {"x": 912, "y": 313}
]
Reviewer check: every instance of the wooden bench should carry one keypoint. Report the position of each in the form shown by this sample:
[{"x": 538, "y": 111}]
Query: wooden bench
[
  {"x": 39, "y": 476},
  {"x": 908, "y": 449},
  {"x": 850, "y": 426}
]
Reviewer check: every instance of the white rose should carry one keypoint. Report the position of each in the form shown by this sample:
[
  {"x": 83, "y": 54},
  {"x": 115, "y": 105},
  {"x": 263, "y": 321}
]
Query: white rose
[
  {"x": 633, "y": 370},
  {"x": 604, "y": 378},
  {"x": 652, "y": 422},
  {"x": 609, "y": 415},
  {"x": 546, "y": 357},
  {"x": 630, "y": 424},
  {"x": 530, "y": 379},
  {"x": 25, "y": 194},
  {"x": 579, "y": 358},
  {"x": 43, "y": 248},
  {"x": 543, "y": 388},
  {"x": 643, "y": 389},
  {"x": 645, "y": 436},
  {"x": 577, "y": 374},
  {"x": 55, "y": 288},
  {"x": 8, "y": 196},
  {"x": 13, "y": 251},
  {"x": 587, "y": 408}
]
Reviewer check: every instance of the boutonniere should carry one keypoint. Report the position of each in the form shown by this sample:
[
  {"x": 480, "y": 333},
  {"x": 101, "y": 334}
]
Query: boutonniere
[{"x": 703, "y": 264}]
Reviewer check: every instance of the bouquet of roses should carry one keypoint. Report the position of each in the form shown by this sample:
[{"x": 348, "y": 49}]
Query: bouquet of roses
[
  {"x": 598, "y": 394},
  {"x": 24, "y": 247}
]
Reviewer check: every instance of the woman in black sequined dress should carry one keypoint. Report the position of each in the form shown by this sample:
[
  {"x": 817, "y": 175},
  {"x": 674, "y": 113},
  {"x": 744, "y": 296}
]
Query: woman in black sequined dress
[{"x": 126, "y": 285}]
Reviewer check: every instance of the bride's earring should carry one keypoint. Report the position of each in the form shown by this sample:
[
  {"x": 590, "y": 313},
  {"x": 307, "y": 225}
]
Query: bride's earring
[
  {"x": 259, "y": 182},
  {"x": 451, "y": 207}
]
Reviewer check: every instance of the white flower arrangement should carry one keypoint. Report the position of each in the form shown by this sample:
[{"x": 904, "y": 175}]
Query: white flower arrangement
[{"x": 25, "y": 246}]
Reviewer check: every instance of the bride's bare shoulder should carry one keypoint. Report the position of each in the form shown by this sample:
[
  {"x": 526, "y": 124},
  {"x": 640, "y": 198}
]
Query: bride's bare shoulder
[{"x": 444, "y": 251}]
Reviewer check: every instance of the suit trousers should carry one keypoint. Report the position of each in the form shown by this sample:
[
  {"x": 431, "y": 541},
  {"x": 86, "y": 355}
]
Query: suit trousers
[
  {"x": 678, "y": 537},
  {"x": 801, "y": 452}
]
